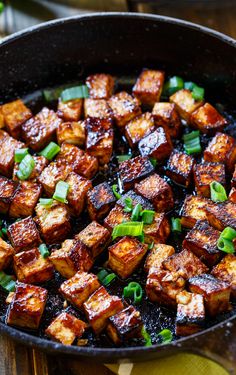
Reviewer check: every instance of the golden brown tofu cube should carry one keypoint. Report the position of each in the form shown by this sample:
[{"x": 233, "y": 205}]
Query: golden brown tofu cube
[
  {"x": 116, "y": 216},
  {"x": 233, "y": 181},
  {"x": 25, "y": 199},
  {"x": 202, "y": 241},
  {"x": 221, "y": 215},
  {"x": 100, "y": 200},
  {"x": 56, "y": 171},
  {"x": 216, "y": 293},
  {"x": 100, "y": 86},
  {"x": 157, "y": 145},
  {"x": 65, "y": 328},
  {"x": 78, "y": 189},
  {"x": 226, "y": 271},
  {"x": 221, "y": 149},
  {"x": 99, "y": 307},
  {"x": 97, "y": 108},
  {"x": 71, "y": 132},
  {"x": 31, "y": 268},
  {"x": 158, "y": 231},
  {"x": 135, "y": 200},
  {"x": 71, "y": 257},
  {"x": 124, "y": 325},
  {"x": 157, "y": 255},
  {"x": 70, "y": 110},
  {"x": 124, "y": 108},
  {"x": 15, "y": 114},
  {"x": 24, "y": 235},
  {"x": 6, "y": 254},
  {"x": 40, "y": 163},
  {"x": 190, "y": 313},
  {"x": 232, "y": 195},
  {"x": 126, "y": 255},
  {"x": 179, "y": 168},
  {"x": 7, "y": 192},
  {"x": 2, "y": 121},
  {"x": 41, "y": 129},
  {"x": 78, "y": 288},
  {"x": 194, "y": 209},
  {"x": 27, "y": 306},
  {"x": 205, "y": 174},
  {"x": 148, "y": 86},
  {"x": 207, "y": 119},
  {"x": 8, "y": 145},
  {"x": 158, "y": 191},
  {"x": 185, "y": 104},
  {"x": 165, "y": 115},
  {"x": 134, "y": 170},
  {"x": 95, "y": 237},
  {"x": 138, "y": 128}
]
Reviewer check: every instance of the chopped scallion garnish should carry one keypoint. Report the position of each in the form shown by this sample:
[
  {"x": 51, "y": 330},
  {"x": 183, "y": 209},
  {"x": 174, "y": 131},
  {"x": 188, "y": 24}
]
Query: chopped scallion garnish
[
  {"x": 228, "y": 233},
  {"x": 115, "y": 191},
  {"x": 136, "y": 212},
  {"x": 20, "y": 153},
  {"x": 26, "y": 167},
  {"x": 147, "y": 216},
  {"x": 153, "y": 161},
  {"x": 131, "y": 228},
  {"x": 166, "y": 336},
  {"x": 121, "y": 158},
  {"x": 174, "y": 84},
  {"x": 44, "y": 250},
  {"x": 102, "y": 274},
  {"x": 4, "y": 231},
  {"x": 151, "y": 245},
  {"x": 7, "y": 282},
  {"x": 176, "y": 225},
  {"x": 134, "y": 291},
  {"x": 198, "y": 93},
  {"x": 128, "y": 204},
  {"x": 50, "y": 151},
  {"x": 106, "y": 278},
  {"x": 77, "y": 92},
  {"x": 218, "y": 193},
  {"x": 61, "y": 191},
  {"x": 226, "y": 246},
  {"x": 192, "y": 143},
  {"x": 47, "y": 202},
  {"x": 146, "y": 337}
]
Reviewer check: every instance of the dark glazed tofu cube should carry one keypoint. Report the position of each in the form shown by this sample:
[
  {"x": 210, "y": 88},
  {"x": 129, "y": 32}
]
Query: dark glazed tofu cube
[
  {"x": 116, "y": 216},
  {"x": 232, "y": 195},
  {"x": 205, "y": 174},
  {"x": 31, "y": 268},
  {"x": 25, "y": 199},
  {"x": 165, "y": 115},
  {"x": 65, "y": 328},
  {"x": 190, "y": 313},
  {"x": 134, "y": 170},
  {"x": 126, "y": 255},
  {"x": 97, "y": 108},
  {"x": 135, "y": 200},
  {"x": 158, "y": 145},
  {"x": 221, "y": 149},
  {"x": 124, "y": 325},
  {"x": 216, "y": 293},
  {"x": 6, "y": 254},
  {"x": 185, "y": 104},
  {"x": 100, "y": 86},
  {"x": 24, "y": 235},
  {"x": 99, "y": 307},
  {"x": 95, "y": 237},
  {"x": 40, "y": 163},
  {"x": 78, "y": 288},
  {"x": 207, "y": 119},
  {"x": 8, "y": 145},
  {"x": 138, "y": 128},
  {"x": 148, "y": 86},
  {"x": 15, "y": 114},
  {"x": 56, "y": 171},
  {"x": 2, "y": 122},
  {"x": 7, "y": 191},
  {"x": 124, "y": 108},
  {"x": 100, "y": 201},
  {"x": 78, "y": 189},
  {"x": 27, "y": 306},
  {"x": 54, "y": 222},
  {"x": 226, "y": 271},
  {"x": 179, "y": 168},
  {"x": 158, "y": 231},
  {"x": 194, "y": 209},
  {"x": 71, "y": 132},
  {"x": 202, "y": 241},
  {"x": 71, "y": 110},
  {"x": 221, "y": 215},
  {"x": 157, "y": 255},
  {"x": 40, "y": 129},
  {"x": 71, "y": 257}
]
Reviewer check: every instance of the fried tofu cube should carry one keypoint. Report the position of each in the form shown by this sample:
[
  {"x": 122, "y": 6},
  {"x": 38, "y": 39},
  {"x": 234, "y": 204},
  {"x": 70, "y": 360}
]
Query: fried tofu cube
[
  {"x": 97, "y": 108},
  {"x": 2, "y": 121},
  {"x": 126, "y": 255},
  {"x": 100, "y": 200},
  {"x": 226, "y": 271},
  {"x": 15, "y": 114},
  {"x": 116, "y": 216},
  {"x": 134, "y": 170},
  {"x": 100, "y": 86},
  {"x": 185, "y": 104},
  {"x": 138, "y": 128},
  {"x": 179, "y": 168},
  {"x": 221, "y": 149},
  {"x": 56, "y": 171},
  {"x": 24, "y": 235},
  {"x": 7, "y": 192},
  {"x": 145, "y": 203},
  {"x": 27, "y": 306},
  {"x": 194, "y": 209},
  {"x": 207, "y": 119},
  {"x": 99, "y": 307},
  {"x": 205, "y": 174},
  {"x": 216, "y": 293},
  {"x": 222, "y": 215},
  {"x": 157, "y": 145},
  {"x": 31, "y": 268},
  {"x": 65, "y": 328},
  {"x": 25, "y": 199},
  {"x": 202, "y": 241},
  {"x": 6, "y": 254},
  {"x": 8, "y": 145},
  {"x": 70, "y": 110},
  {"x": 233, "y": 181},
  {"x": 157, "y": 255},
  {"x": 165, "y": 115},
  {"x": 158, "y": 191},
  {"x": 95, "y": 237},
  {"x": 124, "y": 108},
  {"x": 124, "y": 325},
  {"x": 78, "y": 189},
  {"x": 148, "y": 86},
  {"x": 78, "y": 288},
  {"x": 40, "y": 163},
  {"x": 232, "y": 195},
  {"x": 190, "y": 313},
  {"x": 158, "y": 231},
  {"x": 71, "y": 257},
  {"x": 71, "y": 132}
]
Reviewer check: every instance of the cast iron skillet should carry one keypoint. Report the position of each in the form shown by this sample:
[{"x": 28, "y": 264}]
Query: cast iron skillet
[{"x": 68, "y": 49}]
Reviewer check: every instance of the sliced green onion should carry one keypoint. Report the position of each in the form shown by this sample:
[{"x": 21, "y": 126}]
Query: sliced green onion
[
  {"x": 50, "y": 151},
  {"x": 131, "y": 228},
  {"x": 44, "y": 250},
  {"x": 151, "y": 245},
  {"x": 128, "y": 205},
  {"x": 189, "y": 85},
  {"x": 47, "y": 202},
  {"x": 147, "y": 216},
  {"x": 4, "y": 231},
  {"x": 191, "y": 135},
  {"x": 198, "y": 93},
  {"x": 225, "y": 245},
  {"x": 166, "y": 336},
  {"x": 228, "y": 233},
  {"x": 174, "y": 84},
  {"x": 176, "y": 225},
  {"x": 141, "y": 237},
  {"x": 218, "y": 193},
  {"x": 1, "y": 233},
  {"x": 121, "y": 158},
  {"x": 146, "y": 337},
  {"x": 20, "y": 153},
  {"x": 134, "y": 291},
  {"x": 61, "y": 191},
  {"x": 192, "y": 143},
  {"x": 115, "y": 192},
  {"x": 26, "y": 167},
  {"x": 108, "y": 279},
  {"x": 7, "y": 282},
  {"x": 102, "y": 274},
  {"x": 76, "y": 92},
  {"x": 2, "y": 6},
  {"x": 136, "y": 212},
  {"x": 153, "y": 161},
  {"x": 53, "y": 94}
]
